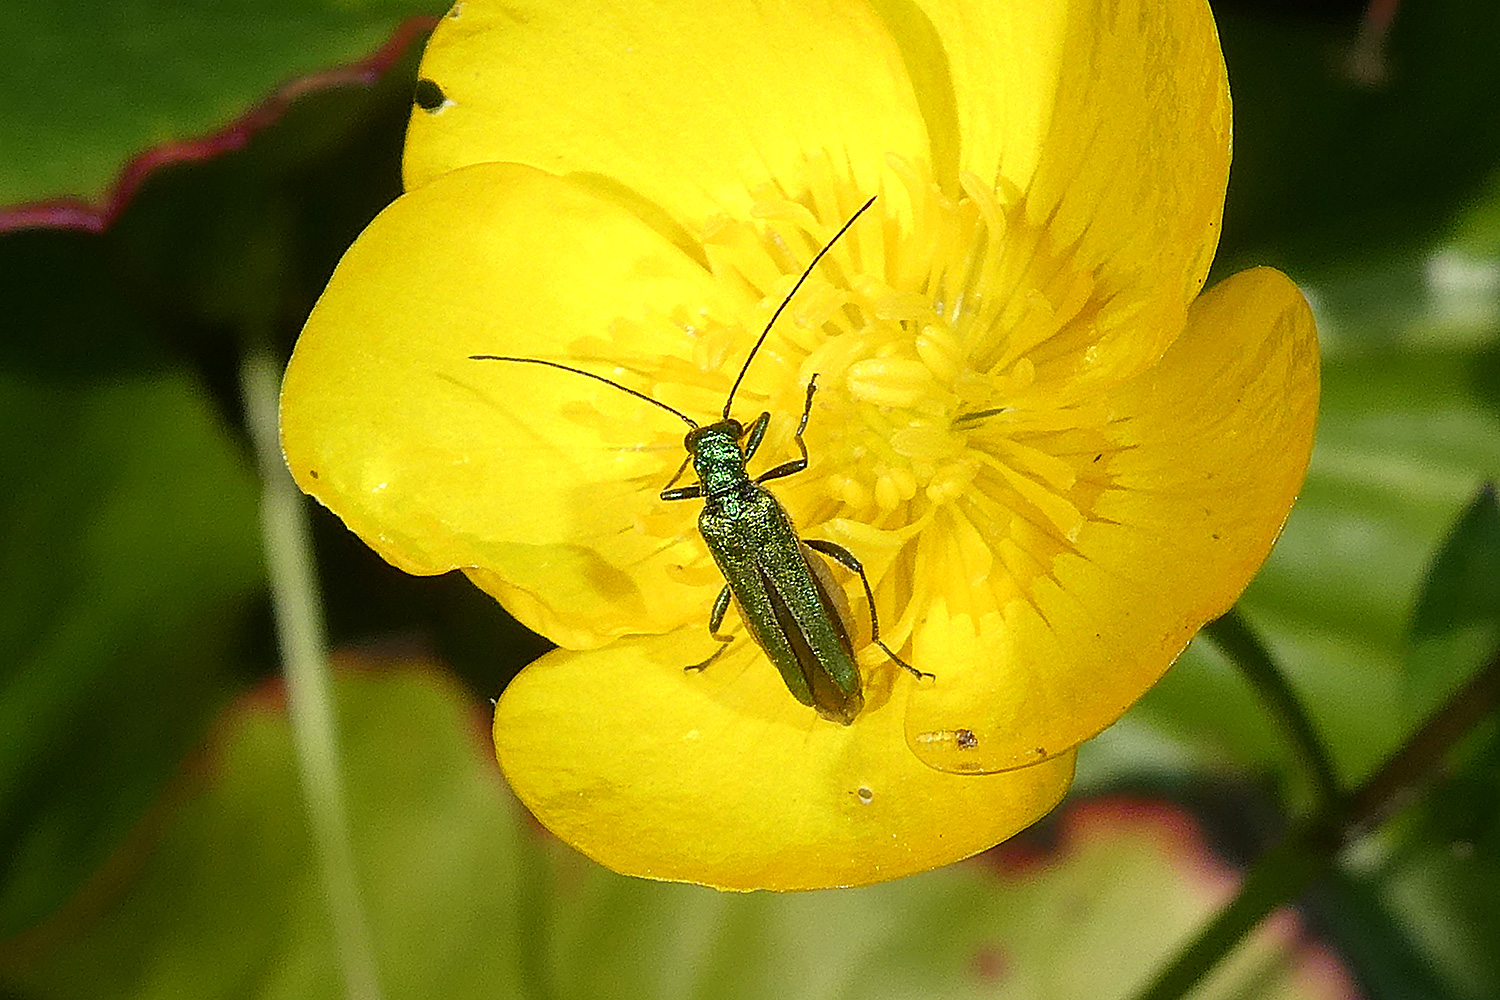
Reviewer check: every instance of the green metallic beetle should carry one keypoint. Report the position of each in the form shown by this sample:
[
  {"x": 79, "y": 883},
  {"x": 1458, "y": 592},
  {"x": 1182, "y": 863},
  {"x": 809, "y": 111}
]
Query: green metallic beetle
[{"x": 785, "y": 596}]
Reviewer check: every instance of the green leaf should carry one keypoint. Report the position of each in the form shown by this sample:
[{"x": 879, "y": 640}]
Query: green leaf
[
  {"x": 1450, "y": 881},
  {"x": 1456, "y": 627},
  {"x": 229, "y": 904},
  {"x": 1333, "y": 166},
  {"x": 128, "y": 556},
  {"x": 1377, "y": 940},
  {"x": 89, "y": 85},
  {"x": 239, "y": 240},
  {"x": 1447, "y": 891}
]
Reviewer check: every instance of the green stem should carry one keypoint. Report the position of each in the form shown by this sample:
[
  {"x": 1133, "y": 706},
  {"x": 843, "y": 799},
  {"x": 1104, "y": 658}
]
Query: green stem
[
  {"x": 299, "y": 626},
  {"x": 1278, "y": 876},
  {"x": 1285, "y": 870},
  {"x": 1238, "y": 641}
]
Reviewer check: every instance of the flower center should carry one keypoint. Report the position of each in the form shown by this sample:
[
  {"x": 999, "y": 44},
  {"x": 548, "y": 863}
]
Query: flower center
[{"x": 957, "y": 381}]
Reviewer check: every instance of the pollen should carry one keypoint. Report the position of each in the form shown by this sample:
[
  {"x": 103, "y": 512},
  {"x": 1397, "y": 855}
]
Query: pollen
[{"x": 945, "y": 331}]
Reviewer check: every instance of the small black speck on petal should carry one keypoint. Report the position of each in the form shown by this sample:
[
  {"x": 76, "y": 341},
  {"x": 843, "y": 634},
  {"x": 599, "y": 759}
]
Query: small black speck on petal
[{"x": 429, "y": 96}]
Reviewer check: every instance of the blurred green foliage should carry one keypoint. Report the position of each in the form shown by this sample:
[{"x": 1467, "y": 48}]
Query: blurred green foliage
[
  {"x": 1340, "y": 161},
  {"x": 467, "y": 901},
  {"x": 129, "y": 553},
  {"x": 135, "y": 863},
  {"x": 91, "y": 84},
  {"x": 1456, "y": 625}
]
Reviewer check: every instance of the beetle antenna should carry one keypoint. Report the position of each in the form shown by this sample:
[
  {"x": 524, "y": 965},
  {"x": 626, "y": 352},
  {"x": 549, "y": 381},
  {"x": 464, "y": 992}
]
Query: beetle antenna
[
  {"x": 597, "y": 378},
  {"x": 729, "y": 402}
]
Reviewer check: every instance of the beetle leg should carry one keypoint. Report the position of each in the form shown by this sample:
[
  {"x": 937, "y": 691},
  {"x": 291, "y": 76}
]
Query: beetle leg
[
  {"x": 715, "y": 619},
  {"x": 846, "y": 559},
  {"x": 682, "y": 492},
  {"x": 796, "y": 465},
  {"x": 756, "y": 433}
]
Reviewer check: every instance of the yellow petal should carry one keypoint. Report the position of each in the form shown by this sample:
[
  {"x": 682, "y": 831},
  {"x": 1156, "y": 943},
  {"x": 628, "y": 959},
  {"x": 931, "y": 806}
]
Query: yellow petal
[
  {"x": 719, "y": 777},
  {"x": 688, "y": 105},
  {"x": 1196, "y": 473},
  {"x": 545, "y": 481},
  {"x": 1111, "y": 119},
  {"x": 1002, "y": 63}
]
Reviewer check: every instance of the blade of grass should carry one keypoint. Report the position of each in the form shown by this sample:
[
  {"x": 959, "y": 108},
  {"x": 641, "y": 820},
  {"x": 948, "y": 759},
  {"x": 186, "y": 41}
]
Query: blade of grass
[{"x": 300, "y": 633}]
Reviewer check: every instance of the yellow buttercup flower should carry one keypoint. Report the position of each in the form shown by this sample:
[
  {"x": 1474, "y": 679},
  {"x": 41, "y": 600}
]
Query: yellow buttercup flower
[{"x": 1054, "y": 458}]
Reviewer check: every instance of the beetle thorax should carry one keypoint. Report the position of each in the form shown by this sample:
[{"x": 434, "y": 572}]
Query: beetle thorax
[{"x": 717, "y": 456}]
